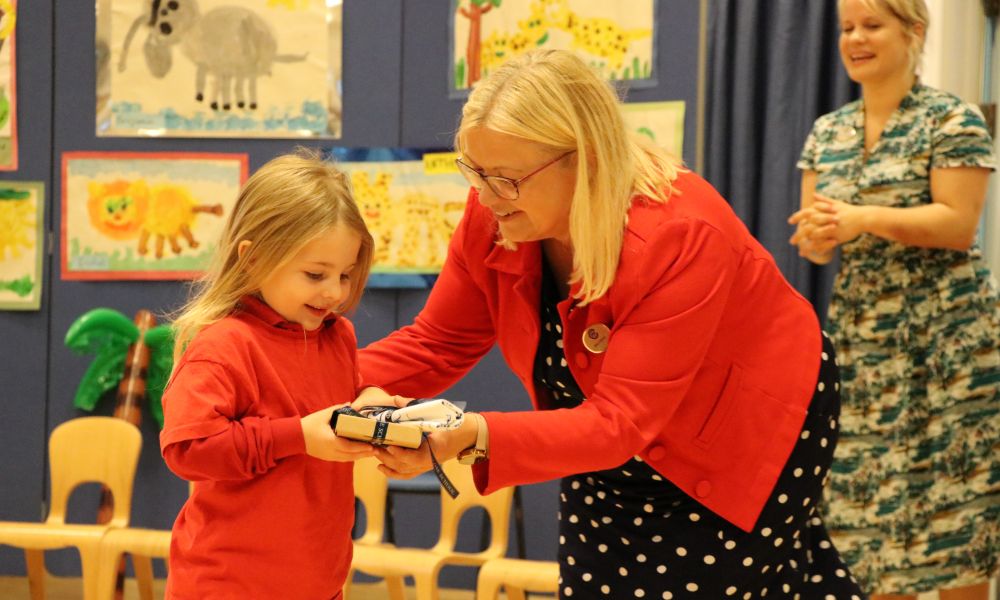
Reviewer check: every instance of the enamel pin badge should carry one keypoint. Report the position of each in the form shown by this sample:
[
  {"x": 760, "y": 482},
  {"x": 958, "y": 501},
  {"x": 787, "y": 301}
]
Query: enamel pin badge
[{"x": 595, "y": 338}]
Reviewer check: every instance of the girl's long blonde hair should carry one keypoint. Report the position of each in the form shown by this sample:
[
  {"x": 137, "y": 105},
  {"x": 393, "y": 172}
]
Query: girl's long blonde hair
[
  {"x": 286, "y": 204},
  {"x": 553, "y": 98}
]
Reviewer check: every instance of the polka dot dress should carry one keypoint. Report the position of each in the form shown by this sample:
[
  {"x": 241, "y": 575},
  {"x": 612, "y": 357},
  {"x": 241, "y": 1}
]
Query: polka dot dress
[{"x": 629, "y": 533}]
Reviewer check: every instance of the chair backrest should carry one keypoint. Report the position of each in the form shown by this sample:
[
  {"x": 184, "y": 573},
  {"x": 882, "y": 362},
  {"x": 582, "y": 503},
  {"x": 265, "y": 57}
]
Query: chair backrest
[
  {"x": 371, "y": 488},
  {"x": 497, "y": 506},
  {"x": 94, "y": 449}
]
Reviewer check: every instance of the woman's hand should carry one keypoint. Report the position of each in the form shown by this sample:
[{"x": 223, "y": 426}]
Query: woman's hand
[
  {"x": 837, "y": 221},
  {"x": 323, "y": 443}
]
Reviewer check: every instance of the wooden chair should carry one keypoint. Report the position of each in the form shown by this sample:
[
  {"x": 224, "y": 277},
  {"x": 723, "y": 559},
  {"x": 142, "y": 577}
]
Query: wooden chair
[
  {"x": 88, "y": 449},
  {"x": 143, "y": 545},
  {"x": 515, "y": 577},
  {"x": 393, "y": 563}
]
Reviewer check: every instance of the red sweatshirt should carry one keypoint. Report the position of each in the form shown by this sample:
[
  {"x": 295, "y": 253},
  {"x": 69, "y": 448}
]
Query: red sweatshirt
[{"x": 264, "y": 520}]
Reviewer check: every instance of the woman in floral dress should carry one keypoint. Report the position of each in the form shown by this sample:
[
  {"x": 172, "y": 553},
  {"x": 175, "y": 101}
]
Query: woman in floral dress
[{"x": 897, "y": 181}]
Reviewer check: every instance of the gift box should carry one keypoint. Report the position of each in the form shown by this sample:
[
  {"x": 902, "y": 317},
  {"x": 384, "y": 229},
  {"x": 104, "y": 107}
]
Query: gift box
[{"x": 352, "y": 425}]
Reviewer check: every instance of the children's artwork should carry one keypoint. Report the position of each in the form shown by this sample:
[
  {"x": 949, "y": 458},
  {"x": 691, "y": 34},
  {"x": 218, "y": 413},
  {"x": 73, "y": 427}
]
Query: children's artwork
[
  {"x": 662, "y": 122},
  {"x": 412, "y": 201},
  {"x": 22, "y": 244},
  {"x": 218, "y": 68},
  {"x": 614, "y": 37},
  {"x": 8, "y": 87},
  {"x": 145, "y": 215}
]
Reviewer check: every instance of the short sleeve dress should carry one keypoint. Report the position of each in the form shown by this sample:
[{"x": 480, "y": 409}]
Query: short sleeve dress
[{"x": 914, "y": 501}]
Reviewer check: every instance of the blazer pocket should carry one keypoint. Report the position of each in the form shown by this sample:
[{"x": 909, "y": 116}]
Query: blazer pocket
[{"x": 722, "y": 407}]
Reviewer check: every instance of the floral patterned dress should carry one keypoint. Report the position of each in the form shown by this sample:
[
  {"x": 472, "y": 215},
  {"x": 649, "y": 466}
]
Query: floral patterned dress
[{"x": 914, "y": 500}]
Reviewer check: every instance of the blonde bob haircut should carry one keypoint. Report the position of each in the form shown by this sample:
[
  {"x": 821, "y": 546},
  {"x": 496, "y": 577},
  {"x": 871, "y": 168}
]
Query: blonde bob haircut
[
  {"x": 552, "y": 98},
  {"x": 287, "y": 203},
  {"x": 912, "y": 14}
]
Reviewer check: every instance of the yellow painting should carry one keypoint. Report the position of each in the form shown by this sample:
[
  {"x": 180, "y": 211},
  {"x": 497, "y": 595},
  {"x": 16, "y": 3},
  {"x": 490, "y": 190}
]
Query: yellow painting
[
  {"x": 22, "y": 244},
  {"x": 411, "y": 207},
  {"x": 661, "y": 122},
  {"x": 616, "y": 38}
]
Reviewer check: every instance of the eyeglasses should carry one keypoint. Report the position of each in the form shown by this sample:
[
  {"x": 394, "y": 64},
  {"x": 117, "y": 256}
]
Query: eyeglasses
[{"x": 505, "y": 187}]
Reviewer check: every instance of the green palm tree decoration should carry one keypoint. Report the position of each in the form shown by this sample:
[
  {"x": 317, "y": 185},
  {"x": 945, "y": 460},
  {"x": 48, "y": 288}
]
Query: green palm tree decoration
[{"x": 133, "y": 355}]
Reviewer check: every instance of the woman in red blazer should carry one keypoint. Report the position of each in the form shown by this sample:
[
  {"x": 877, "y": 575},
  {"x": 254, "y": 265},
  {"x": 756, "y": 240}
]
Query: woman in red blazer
[{"x": 682, "y": 389}]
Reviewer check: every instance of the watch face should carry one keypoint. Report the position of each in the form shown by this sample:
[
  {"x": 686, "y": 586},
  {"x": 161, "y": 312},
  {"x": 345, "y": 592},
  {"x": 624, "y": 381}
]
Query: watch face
[{"x": 470, "y": 456}]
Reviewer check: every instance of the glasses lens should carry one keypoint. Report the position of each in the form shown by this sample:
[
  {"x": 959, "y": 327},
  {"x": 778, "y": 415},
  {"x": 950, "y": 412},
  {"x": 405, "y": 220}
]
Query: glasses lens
[
  {"x": 503, "y": 187},
  {"x": 471, "y": 175}
]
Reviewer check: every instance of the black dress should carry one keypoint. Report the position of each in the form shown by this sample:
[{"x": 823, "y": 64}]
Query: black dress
[{"x": 629, "y": 533}]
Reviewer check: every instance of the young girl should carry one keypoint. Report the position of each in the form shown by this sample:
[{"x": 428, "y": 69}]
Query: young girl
[{"x": 263, "y": 357}]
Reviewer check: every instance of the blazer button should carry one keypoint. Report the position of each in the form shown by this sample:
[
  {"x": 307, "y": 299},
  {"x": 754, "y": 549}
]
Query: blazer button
[
  {"x": 581, "y": 360},
  {"x": 703, "y": 489},
  {"x": 657, "y": 452}
]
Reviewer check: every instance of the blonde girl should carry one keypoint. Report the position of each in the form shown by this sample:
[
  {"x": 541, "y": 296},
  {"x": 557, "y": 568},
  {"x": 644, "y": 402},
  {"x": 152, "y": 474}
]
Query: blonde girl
[{"x": 264, "y": 355}]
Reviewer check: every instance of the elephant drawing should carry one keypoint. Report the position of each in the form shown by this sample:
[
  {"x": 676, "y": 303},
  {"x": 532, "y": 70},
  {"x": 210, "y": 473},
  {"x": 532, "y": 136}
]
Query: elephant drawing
[{"x": 230, "y": 47}]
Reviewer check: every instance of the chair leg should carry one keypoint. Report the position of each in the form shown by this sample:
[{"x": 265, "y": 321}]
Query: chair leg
[
  {"x": 35, "y": 561},
  {"x": 347, "y": 584},
  {"x": 487, "y": 588},
  {"x": 426, "y": 584},
  {"x": 514, "y": 593},
  {"x": 90, "y": 566},
  {"x": 143, "y": 566},
  {"x": 397, "y": 589},
  {"x": 519, "y": 522}
]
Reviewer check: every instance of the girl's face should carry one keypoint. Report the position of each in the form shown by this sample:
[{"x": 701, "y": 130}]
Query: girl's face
[
  {"x": 316, "y": 282},
  {"x": 541, "y": 210},
  {"x": 874, "y": 44}
]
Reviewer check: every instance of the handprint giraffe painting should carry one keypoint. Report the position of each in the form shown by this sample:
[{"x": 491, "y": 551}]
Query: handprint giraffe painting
[
  {"x": 614, "y": 37},
  {"x": 144, "y": 215}
]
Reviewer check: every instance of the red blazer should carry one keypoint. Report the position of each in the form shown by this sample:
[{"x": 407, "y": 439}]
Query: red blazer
[{"x": 712, "y": 359}]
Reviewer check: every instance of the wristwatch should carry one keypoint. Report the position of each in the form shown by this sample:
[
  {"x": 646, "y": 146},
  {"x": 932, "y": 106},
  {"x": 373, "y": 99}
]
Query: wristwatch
[{"x": 480, "y": 451}]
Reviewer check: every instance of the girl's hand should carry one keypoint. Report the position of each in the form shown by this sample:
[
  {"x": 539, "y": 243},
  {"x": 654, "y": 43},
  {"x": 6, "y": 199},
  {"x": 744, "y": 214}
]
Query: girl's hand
[
  {"x": 404, "y": 463},
  {"x": 323, "y": 444}
]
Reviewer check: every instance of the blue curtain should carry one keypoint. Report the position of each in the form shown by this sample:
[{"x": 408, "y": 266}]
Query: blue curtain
[{"x": 772, "y": 68}]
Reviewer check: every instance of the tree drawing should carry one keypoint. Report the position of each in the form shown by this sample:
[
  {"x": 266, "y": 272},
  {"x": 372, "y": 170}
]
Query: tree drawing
[{"x": 474, "y": 12}]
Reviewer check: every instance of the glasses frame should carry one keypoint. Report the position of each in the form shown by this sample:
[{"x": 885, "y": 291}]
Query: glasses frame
[{"x": 467, "y": 171}]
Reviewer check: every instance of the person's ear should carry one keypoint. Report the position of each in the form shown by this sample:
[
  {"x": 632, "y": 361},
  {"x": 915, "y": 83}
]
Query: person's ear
[{"x": 243, "y": 247}]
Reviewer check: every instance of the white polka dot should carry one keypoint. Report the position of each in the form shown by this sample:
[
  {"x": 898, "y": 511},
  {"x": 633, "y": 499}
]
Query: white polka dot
[
  {"x": 570, "y": 560},
  {"x": 766, "y": 531},
  {"x": 567, "y": 591},
  {"x": 829, "y": 597},
  {"x": 797, "y": 472},
  {"x": 823, "y": 442},
  {"x": 625, "y": 541},
  {"x": 583, "y": 538},
  {"x": 562, "y": 362},
  {"x": 731, "y": 590},
  {"x": 623, "y": 571},
  {"x": 825, "y": 356},
  {"x": 574, "y": 519},
  {"x": 821, "y": 386},
  {"x": 841, "y": 573},
  {"x": 587, "y": 577},
  {"x": 657, "y": 538},
  {"x": 833, "y": 423},
  {"x": 747, "y": 561},
  {"x": 709, "y": 559},
  {"x": 805, "y": 434},
  {"x": 548, "y": 360},
  {"x": 778, "y": 542},
  {"x": 730, "y": 545},
  {"x": 806, "y": 501},
  {"x": 817, "y": 470},
  {"x": 667, "y": 596},
  {"x": 641, "y": 558},
  {"x": 825, "y": 544},
  {"x": 782, "y": 498},
  {"x": 605, "y": 589},
  {"x": 695, "y": 517},
  {"x": 681, "y": 551},
  {"x": 637, "y": 521},
  {"x": 639, "y": 593},
  {"x": 594, "y": 524},
  {"x": 602, "y": 548},
  {"x": 606, "y": 520},
  {"x": 575, "y": 485},
  {"x": 661, "y": 569},
  {"x": 588, "y": 499},
  {"x": 692, "y": 587},
  {"x": 816, "y": 578},
  {"x": 647, "y": 507}
]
